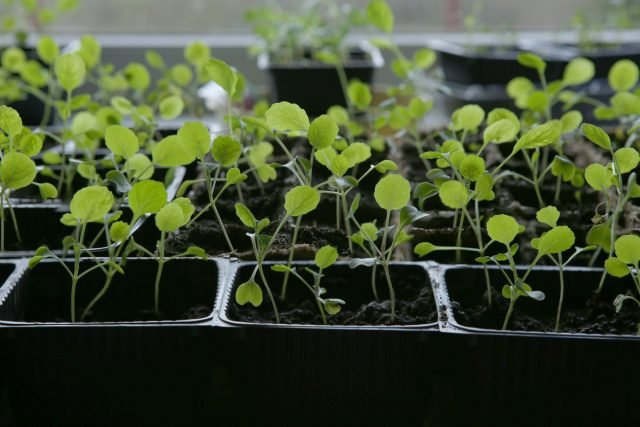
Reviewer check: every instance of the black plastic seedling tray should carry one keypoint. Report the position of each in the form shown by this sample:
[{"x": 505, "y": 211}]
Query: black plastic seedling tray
[
  {"x": 506, "y": 378},
  {"x": 296, "y": 374},
  {"x": 120, "y": 372}
]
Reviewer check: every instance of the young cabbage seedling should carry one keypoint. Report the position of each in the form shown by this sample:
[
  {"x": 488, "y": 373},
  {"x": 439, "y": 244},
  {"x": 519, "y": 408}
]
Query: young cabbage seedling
[
  {"x": 298, "y": 201},
  {"x": 392, "y": 193},
  {"x": 325, "y": 258},
  {"x": 602, "y": 178},
  {"x": 504, "y": 229},
  {"x": 549, "y": 216},
  {"x": 625, "y": 263},
  {"x": 17, "y": 170},
  {"x": 90, "y": 205},
  {"x": 145, "y": 198},
  {"x": 169, "y": 218}
]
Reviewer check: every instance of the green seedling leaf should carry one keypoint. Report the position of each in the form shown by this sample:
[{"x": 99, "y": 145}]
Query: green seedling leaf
[
  {"x": 596, "y": 135},
  {"x": 197, "y": 53},
  {"x": 600, "y": 235},
  {"x": 196, "y": 251},
  {"x": 245, "y": 215},
  {"x": 117, "y": 178},
  {"x": 409, "y": 215},
  {"x": 356, "y": 153},
  {"x": 194, "y": 136},
  {"x": 147, "y": 197},
  {"x": 249, "y": 292},
  {"x": 90, "y": 51},
  {"x": 498, "y": 114},
  {"x": 360, "y": 94},
  {"x": 380, "y": 15},
  {"x": 503, "y": 228},
  {"x": 171, "y": 107},
  {"x": 226, "y": 150},
  {"x": 472, "y": 167},
  {"x": 91, "y": 204},
  {"x": 625, "y": 104},
  {"x": 285, "y": 117},
  {"x": 501, "y": 131},
  {"x": 540, "y": 136},
  {"x": 171, "y": 152},
  {"x": 10, "y": 121},
  {"x": 531, "y": 60},
  {"x": 548, "y": 216},
  {"x": 326, "y": 257},
  {"x": 628, "y": 249},
  {"x": 578, "y": 71},
  {"x": 139, "y": 166},
  {"x": 322, "y": 132},
  {"x": 70, "y": 71},
  {"x": 174, "y": 215},
  {"x": 234, "y": 176},
  {"x": 386, "y": 166},
  {"x": 119, "y": 231},
  {"x": 425, "y": 248},
  {"x": 571, "y": 120},
  {"x": 47, "y": 49},
  {"x": 556, "y": 240},
  {"x": 616, "y": 268},
  {"x": 281, "y": 268},
  {"x": 467, "y": 118},
  {"x": 47, "y": 191},
  {"x": 627, "y": 159},
  {"x": 17, "y": 170},
  {"x": 333, "y": 306},
  {"x": 222, "y": 74},
  {"x": 392, "y": 192},
  {"x": 561, "y": 166},
  {"x": 623, "y": 76},
  {"x": 121, "y": 141},
  {"x": 301, "y": 200},
  {"x": 599, "y": 177},
  {"x": 484, "y": 188},
  {"x": 137, "y": 76},
  {"x": 454, "y": 194}
]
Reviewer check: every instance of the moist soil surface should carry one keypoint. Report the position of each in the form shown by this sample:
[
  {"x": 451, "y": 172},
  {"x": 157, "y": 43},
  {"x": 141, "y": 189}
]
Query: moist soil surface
[
  {"x": 415, "y": 304},
  {"x": 208, "y": 235},
  {"x": 55, "y": 314},
  {"x": 594, "y": 316}
]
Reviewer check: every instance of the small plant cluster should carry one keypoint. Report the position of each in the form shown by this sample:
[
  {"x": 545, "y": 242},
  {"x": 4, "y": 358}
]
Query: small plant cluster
[{"x": 339, "y": 170}]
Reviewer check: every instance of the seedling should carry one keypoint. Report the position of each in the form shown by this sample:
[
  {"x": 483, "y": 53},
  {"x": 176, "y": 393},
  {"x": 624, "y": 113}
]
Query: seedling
[
  {"x": 325, "y": 258},
  {"x": 299, "y": 201},
  {"x": 90, "y": 205},
  {"x": 17, "y": 170},
  {"x": 392, "y": 193},
  {"x": 169, "y": 218},
  {"x": 145, "y": 198},
  {"x": 565, "y": 238},
  {"x": 602, "y": 178},
  {"x": 625, "y": 263}
]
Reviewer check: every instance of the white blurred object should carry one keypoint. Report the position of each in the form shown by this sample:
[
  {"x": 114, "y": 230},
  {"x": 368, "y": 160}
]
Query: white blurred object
[{"x": 214, "y": 96}]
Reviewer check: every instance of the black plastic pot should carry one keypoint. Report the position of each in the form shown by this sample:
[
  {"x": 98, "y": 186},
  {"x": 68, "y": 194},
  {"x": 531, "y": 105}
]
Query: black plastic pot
[
  {"x": 295, "y": 374},
  {"x": 494, "y": 64},
  {"x": 532, "y": 378},
  {"x": 113, "y": 373},
  {"x": 315, "y": 86}
]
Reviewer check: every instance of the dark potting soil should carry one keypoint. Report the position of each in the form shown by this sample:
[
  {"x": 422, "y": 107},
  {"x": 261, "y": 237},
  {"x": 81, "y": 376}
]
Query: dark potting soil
[
  {"x": 595, "y": 315},
  {"x": 415, "y": 303},
  {"x": 208, "y": 235},
  {"x": 143, "y": 315}
]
